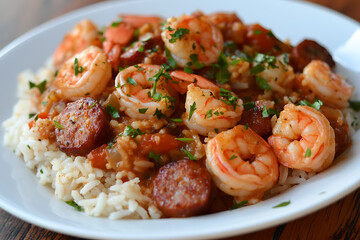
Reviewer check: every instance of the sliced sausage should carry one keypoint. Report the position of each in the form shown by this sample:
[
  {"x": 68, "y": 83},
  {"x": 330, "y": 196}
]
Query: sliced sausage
[
  {"x": 182, "y": 189},
  {"x": 83, "y": 126},
  {"x": 306, "y": 51}
]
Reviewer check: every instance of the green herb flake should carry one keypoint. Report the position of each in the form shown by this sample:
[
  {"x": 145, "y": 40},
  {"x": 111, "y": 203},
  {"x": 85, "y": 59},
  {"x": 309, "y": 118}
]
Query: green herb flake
[
  {"x": 74, "y": 205},
  {"x": 216, "y": 130},
  {"x": 93, "y": 105},
  {"x": 317, "y": 103},
  {"x": 246, "y": 126},
  {"x": 142, "y": 110},
  {"x": 159, "y": 114},
  {"x": 190, "y": 156},
  {"x": 185, "y": 139},
  {"x": 308, "y": 153},
  {"x": 355, "y": 105},
  {"x": 133, "y": 132},
  {"x": 44, "y": 103},
  {"x": 195, "y": 61},
  {"x": 117, "y": 22},
  {"x": 257, "y": 69},
  {"x": 31, "y": 115},
  {"x": 28, "y": 146},
  {"x": 239, "y": 205},
  {"x": 262, "y": 83},
  {"x": 233, "y": 157},
  {"x": 177, "y": 120},
  {"x": 208, "y": 114},
  {"x": 131, "y": 81},
  {"x": 112, "y": 111},
  {"x": 141, "y": 48},
  {"x": 192, "y": 109},
  {"x": 283, "y": 204},
  {"x": 136, "y": 32},
  {"x": 41, "y": 86},
  {"x": 249, "y": 105},
  {"x": 178, "y": 34},
  {"x": 170, "y": 59},
  {"x": 154, "y": 156},
  {"x": 58, "y": 125},
  {"x": 77, "y": 68},
  {"x": 265, "y": 112},
  {"x": 41, "y": 171}
]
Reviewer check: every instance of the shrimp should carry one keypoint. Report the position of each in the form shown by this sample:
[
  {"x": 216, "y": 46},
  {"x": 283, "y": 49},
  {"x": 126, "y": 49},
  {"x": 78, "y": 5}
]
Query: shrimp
[
  {"x": 144, "y": 92},
  {"x": 242, "y": 164},
  {"x": 303, "y": 139},
  {"x": 192, "y": 40},
  {"x": 119, "y": 33},
  {"x": 230, "y": 25},
  {"x": 83, "y": 35},
  {"x": 85, "y": 74},
  {"x": 205, "y": 112},
  {"x": 329, "y": 87}
]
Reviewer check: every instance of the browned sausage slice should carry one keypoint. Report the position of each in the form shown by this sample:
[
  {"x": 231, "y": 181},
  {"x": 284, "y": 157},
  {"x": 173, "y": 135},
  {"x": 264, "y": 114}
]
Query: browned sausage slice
[
  {"x": 182, "y": 189},
  {"x": 83, "y": 127},
  {"x": 306, "y": 51}
]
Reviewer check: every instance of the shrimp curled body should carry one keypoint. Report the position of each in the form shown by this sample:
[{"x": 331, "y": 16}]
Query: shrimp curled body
[
  {"x": 199, "y": 37},
  {"x": 89, "y": 79},
  {"x": 303, "y": 139},
  {"x": 135, "y": 88},
  {"x": 242, "y": 164}
]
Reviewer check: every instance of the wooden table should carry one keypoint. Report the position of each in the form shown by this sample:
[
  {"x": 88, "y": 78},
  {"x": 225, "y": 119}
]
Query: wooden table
[{"x": 337, "y": 221}]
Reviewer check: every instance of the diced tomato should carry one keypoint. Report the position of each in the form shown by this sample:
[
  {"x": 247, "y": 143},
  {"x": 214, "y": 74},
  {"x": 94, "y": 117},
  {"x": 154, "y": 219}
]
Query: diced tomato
[
  {"x": 43, "y": 115},
  {"x": 158, "y": 143},
  {"x": 31, "y": 124},
  {"x": 98, "y": 157}
]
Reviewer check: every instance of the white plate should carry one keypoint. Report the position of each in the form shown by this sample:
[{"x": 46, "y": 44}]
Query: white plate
[{"x": 24, "y": 197}]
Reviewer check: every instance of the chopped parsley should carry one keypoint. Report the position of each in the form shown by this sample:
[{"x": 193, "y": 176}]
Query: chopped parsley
[
  {"x": 131, "y": 81},
  {"x": 142, "y": 110},
  {"x": 262, "y": 83},
  {"x": 159, "y": 114},
  {"x": 355, "y": 105},
  {"x": 223, "y": 75},
  {"x": 41, "y": 171},
  {"x": 229, "y": 97},
  {"x": 136, "y": 32},
  {"x": 110, "y": 145},
  {"x": 192, "y": 109},
  {"x": 41, "y": 86},
  {"x": 195, "y": 61},
  {"x": 93, "y": 105},
  {"x": 141, "y": 48},
  {"x": 133, "y": 132},
  {"x": 178, "y": 34},
  {"x": 239, "y": 205},
  {"x": 77, "y": 68},
  {"x": 257, "y": 69},
  {"x": 190, "y": 156},
  {"x": 28, "y": 146},
  {"x": 257, "y": 32},
  {"x": 266, "y": 112},
  {"x": 249, "y": 105},
  {"x": 233, "y": 157},
  {"x": 185, "y": 139},
  {"x": 74, "y": 205},
  {"x": 58, "y": 125},
  {"x": 308, "y": 153},
  {"x": 283, "y": 204},
  {"x": 31, "y": 115},
  {"x": 177, "y": 120},
  {"x": 154, "y": 156},
  {"x": 170, "y": 59},
  {"x": 117, "y": 22},
  {"x": 246, "y": 126},
  {"x": 208, "y": 114},
  {"x": 112, "y": 111},
  {"x": 317, "y": 103}
]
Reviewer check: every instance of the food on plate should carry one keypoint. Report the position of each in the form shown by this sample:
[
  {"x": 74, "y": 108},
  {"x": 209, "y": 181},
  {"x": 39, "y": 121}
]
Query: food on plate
[{"x": 196, "y": 114}]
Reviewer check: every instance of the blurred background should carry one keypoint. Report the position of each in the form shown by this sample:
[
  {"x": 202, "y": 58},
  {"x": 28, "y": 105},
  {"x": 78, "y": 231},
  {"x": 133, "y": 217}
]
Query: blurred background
[{"x": 19, "y": 16}]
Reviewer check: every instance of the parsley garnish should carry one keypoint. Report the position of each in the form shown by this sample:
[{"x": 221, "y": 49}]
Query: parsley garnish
[
  {"x": 74, "y": 205},
  {"x": 41, "y": 86},
  {"x": 131, "y": 81},
  {"x": 133, "y": 132},
  {"x": 229, "y": 97},
  {"x": 41, "y": 171},
  {"x": 355, "y": 105},
  {"x": 233, "y": 157},
  {"x": 307, "y": 153},
  {"x": 194, "y": 59},
  {"x": 143, "y": 110},
  {"x": 159, "y": 114},
  {"x": 58, "y": 125},
  {"x": 178, "y": 34},
  {"x": 177, "y": 120},
  {"x": 190, "y": 156},
  {"x": 28, "y": 146},
  {"x": 117, "y": 22},
  {"x": 170, "y": 59},
  {"x": 262, "y": 83},
  {"x": 208, "y": 114},
  {"x": 246, "y": 126},
  {"x": 141, "y": 48},
  {"x": 112, "y": 111},
  {"x": 223, "y": 75},
  {"x": 154, "y": 156},
  {"x": 192, "y": 109},
  {"x": 93, "y": 105},
  {"x": 317, "y": 103},
  {"x": 238, "y": 205},
  {"x": 283, "y": 204},
  {"x": 31, "y": 115},
  {"x": 44, "y": 103},
  {"x": 257, "y": 32},
  {"x": 77, "y": 69},
  {"x": 185, "y": 139},
  {"x": 249, "y": 105}
]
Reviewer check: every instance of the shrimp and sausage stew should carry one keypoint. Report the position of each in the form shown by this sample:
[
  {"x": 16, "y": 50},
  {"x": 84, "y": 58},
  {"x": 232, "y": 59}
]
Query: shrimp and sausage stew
[{"x": 197, "y": 113}]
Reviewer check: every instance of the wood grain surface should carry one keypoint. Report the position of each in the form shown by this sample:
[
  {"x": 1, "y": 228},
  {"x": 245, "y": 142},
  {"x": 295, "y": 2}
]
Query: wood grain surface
[{"x": 337, "y": 221}]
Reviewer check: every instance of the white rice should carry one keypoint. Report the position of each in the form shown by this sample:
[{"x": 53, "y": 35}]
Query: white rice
[{"x": 100, "y": 193}]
